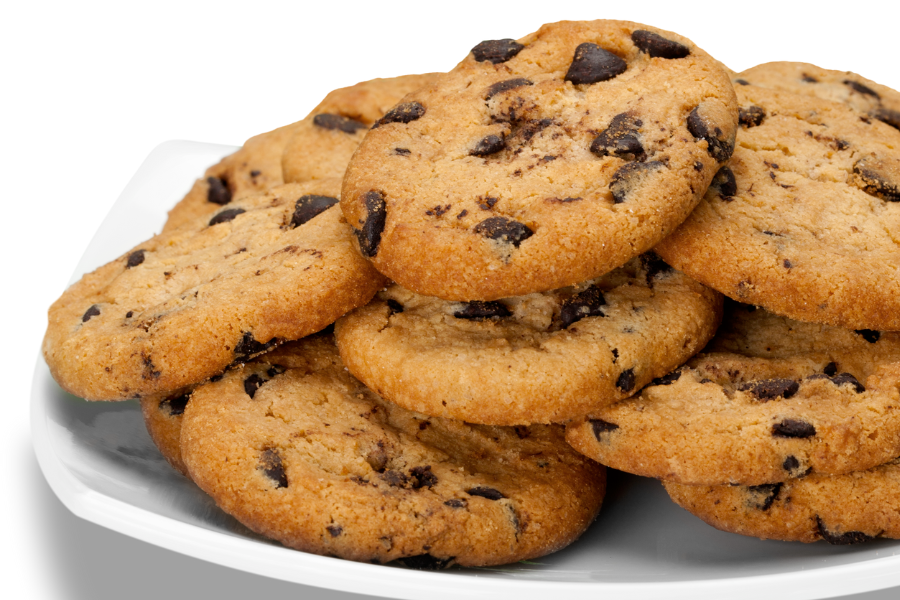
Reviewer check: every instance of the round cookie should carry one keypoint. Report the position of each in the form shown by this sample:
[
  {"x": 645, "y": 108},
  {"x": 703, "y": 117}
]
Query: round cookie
[
  {"x": 163, "y": 421},
  {"x": 840, "y": 509},
  {"x": 182, "y": 306},
  {"x": 321, "y": 145},
  {"x": 542, "y": 358},
  {"x": 273, "y": 158},
  {"x": 542, "y": 163},
  {"x": 805, "y": 218},
  {"x": 298, "y": 450},
  {"x": 864, "y": 95},
  {"x": 791, "y": 399}
]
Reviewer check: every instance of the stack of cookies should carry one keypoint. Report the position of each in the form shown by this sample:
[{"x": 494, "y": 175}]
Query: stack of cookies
[{"x": 521, "y": 259}]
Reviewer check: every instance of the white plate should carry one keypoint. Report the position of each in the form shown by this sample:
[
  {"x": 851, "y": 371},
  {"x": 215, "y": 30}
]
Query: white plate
[{"x": 101, "y": 463}]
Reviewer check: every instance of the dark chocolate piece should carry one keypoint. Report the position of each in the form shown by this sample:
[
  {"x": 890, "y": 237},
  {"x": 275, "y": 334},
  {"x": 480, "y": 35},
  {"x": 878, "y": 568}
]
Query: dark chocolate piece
[
  {"x": 751, "y": 116},
  {"x": 425, "y": 562},
  {"x": 625, "y": 381},
  {"x": 93, "y": 311},
  {"x": 769, "y": 389},
  {"x": 628, "y": 177},
  {"x": 862, "y": 89},
  {"x": 272, "y": 467},
  {"x": 226, "y": 215},
  {"x": 253, "y": 383},
  {"x": 135, "y": 258},
  {"x": 762, "y": 496},
  {"x": 717, "y": 147},
  {"x": 599, "y": 427},
  {"x": 478, "y": 310},
  {"x": 248, "y": 346},
  {"x": 309, "y": 206},
  {"x": 843, "y": 539},
  {"x": 337, "y": 122},
  {"x": 620, "y": 139},
  {"x": 586, "y": 303},
  {"x": 505, "y": 86},
  {"x": 422, "y": 477},
  {"x": 668, "y": 379},
  {"x": 402, "y": 113},
  {"x": 376, "y": 215},
  {"x": 175, "y": 406},
  {"x": 496, "y": 51},
  {"x": 592, "y": 64},
  {"x": 485, "y": 492},
  {"x": 870, "y": 335},
  {"x": 793, "y": 428},
  {"x": 488, "y": 145},
  {"x": 504, "y": 230},
  {"x": 657, "y": 46},
  {"x": 886, "y": 115},
  {"x": 874, "y": 177},
  {"x": 218, "y": 192}
]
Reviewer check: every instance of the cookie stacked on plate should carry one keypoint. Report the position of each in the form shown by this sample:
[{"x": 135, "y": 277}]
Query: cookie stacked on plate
[{"x": 519, "y": 254}]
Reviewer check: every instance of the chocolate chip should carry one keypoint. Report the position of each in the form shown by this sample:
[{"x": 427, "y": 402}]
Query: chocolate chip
[
  {"x": 792, "y": 428},
  {"x": 486, "y": 203},
  {"x": 425, "y": 562},
  {"x": 628, "y": 177},
  {"x": 248, "y": 346},
  {"x": 272, "y": 467},
  {"x": 457, "y": 503},
  {"x": 830, "y": 369},
  {"x": 275, "y": 370},
  {"x": 175, "y": 406},
  {"x": 787, "y": 264},
  {"x": 394, "y": 478},
  {"x": 886, "y": 115},
  {"x": 488, "y": 145},
  {"x": 135, "y": 258},
  {"x": 879, "y": 178},
  {"x": 402, "y": 151},
  {"x": 742, "y": 82},
  {"x": 337, "y": 122},
  {"x": 378, "y": 458},
  {"x": 485, "y": 492},
  {"x": 218, "y": 192},
  {"x": 809, "y": 79},
  {"x": 654, "y": 265},
  {"x": 334, "y": 530},
  {"x": 376, "y": 214},
  {"x": 129, "y": 314},
  {"x": 790, "y": 464},
  {"x": 586, "y": 303},
  {"x": 93, "y": 311},
  {"x": 422, "y": 477},
  {"x": 847, "y": 378},
  {"x": 478, "y": 310},
  {"x": 599, "y": 427},
  {"x": 625, "y": 382},
  {"x": 657, "y": 46},
  {"x": 255, "y": 173},
  {"x": 309, "y": 206},
  {"x": 768, "y": 389},
  {"x": 226, "y": 215},
  {"x": 862, "y": 89},
  {"x": 751, "y": 116},
  {"x": 591, "y": 64},
  {"x": 717, "y": 147},
  {"x": 870, "y": 335},
  {"x": 504, "y": 230},
  {"x": 505, "y": 86},
  {"x": 620, "y": 139},
  {"x": 843, "y": 539},
  {"x": 762, "y": 496},
  {"x": 667, "y": 379},
  {"x": 394, "y": 306},
  {"x": 724, "y": 184},
  {"x": 402, "y": 113},
  {"x": 253, "y": 383}
]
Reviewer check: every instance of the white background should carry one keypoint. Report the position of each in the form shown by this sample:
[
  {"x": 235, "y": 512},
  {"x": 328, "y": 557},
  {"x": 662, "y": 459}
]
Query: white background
[{"x": 89, "y": 88}]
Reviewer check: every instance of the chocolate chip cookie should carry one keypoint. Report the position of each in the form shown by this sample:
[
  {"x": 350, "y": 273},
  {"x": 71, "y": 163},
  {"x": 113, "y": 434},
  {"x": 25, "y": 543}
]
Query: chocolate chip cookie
[
  {"x": 540, "y": 163},
  {"x": 542, "y": 358},
  {"x": 298, "y": 450}
]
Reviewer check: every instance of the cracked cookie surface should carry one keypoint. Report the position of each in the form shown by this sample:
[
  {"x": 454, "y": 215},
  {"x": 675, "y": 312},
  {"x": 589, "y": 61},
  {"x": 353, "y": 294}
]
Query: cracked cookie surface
[
  {"x": 541, "y": 358},
  {"x": 298, "y": 450},
  {"x": 542, "y": 163},
  {"x": 771, "y": 399},
  {"x": 805, "y": 219},
  {"x": 183, "y": 305}
]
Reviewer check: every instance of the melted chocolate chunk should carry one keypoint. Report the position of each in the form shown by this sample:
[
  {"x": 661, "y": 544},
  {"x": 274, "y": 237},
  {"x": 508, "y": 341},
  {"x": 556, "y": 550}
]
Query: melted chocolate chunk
[
  {"x": 862, "y": 89},
  {"x": 504, "y": 230},
  {"x": 667, "y": 379},
  {"x": 218, "y": 192},
  {"x": 478, "y": 310},
  {"x": 253, "y": 383},
  {"x": 790, "y": 464},
  {"x": 628, "y": 178},
  {"x": 334, "y": 530},
  {"x": 793, "y": 428},
  {"x": 751, "y": 116},
  {"x": 599, "y": 427},
  {"x": 226, "y": 215},
  {"x": 248, "y": 346},
  {"x": 843, "y": 539},
  {"x": 620, "y": 139},
  {"x": 830, "y": 369},
  {"x": 657, "y": 46},
  {"x": 717, "y": 147},
  {"x": 402, "y": 113},
  {"x": 175, "y": 406},
  {"x": 886, "y": 115},
  {"x": 654, "y": 265},
  {"x": 272, "y": 467},
  {"x": 724, "y": 184},
  {"x": 625, "y": 381},
  {"x": 422, "y": 477},
  {"x": 338, "y": 123},
  {"x": 870, "y": 335},
  {"x": 762, "y": 496},
  {"x": 93, "y": 311},
  {"x": 457, "y": 503},
  {"x": 769, "y": 389},
  {"x": 394, "y": 306},
  {"x": 425, "y": 562},
  {"x": 847, "y": 378},
  {"x": 592, "y": 64},
  {"x": 485, "y": 492},
  {"x": 505, "y": 86},
  {"x": 488, "y": 145},
  {"x": 309, "y": 206},
  {"x": 394, "y": 478},
  {"x": 376, "y": 214},
  {"x": 878, "y": 178},
  {"x": 496, "y": 51},
  {"x": 586, "y": 303},
  {"x": 135, "y": 258}
]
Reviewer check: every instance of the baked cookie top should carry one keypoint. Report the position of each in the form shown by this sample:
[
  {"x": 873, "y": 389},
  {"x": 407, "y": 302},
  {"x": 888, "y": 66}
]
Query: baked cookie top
[
  {"x": 840, "y": 509},
  {"x": 814, "y": 399},
  {"x": 184, "y": 305},
  {"x": 876, "y": 100},
  {"x": 804, "y": 220},
  {"x": 541, "y": 358},
  {"x": 275, "y": 157},
  {"x": 298, "y": 450},
  {"x": 542, "y": 163},
  {"x": 320, "y": 146}
]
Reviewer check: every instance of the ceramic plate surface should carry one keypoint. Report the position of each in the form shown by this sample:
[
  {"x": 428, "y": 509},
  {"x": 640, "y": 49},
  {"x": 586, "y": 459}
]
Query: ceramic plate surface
[{"x": 101, "y": 463}]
